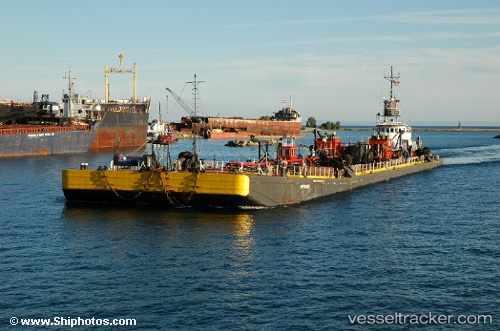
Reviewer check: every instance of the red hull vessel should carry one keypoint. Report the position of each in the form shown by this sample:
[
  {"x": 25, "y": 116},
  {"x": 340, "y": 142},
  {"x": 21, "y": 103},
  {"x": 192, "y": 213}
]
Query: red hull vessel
[{"x": 286, "y": 121}]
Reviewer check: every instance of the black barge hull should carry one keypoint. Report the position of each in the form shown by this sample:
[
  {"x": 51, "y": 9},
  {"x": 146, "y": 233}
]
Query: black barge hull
[{"x": 275, "y": 191}]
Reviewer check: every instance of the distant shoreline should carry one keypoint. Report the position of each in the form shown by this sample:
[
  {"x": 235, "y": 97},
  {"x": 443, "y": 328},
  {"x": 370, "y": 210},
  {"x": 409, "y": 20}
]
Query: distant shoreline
[{"x": 434, "y": 129}]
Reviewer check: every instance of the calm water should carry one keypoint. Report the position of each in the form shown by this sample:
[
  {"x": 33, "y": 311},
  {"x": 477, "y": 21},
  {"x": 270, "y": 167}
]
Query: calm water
[{"x": 428, "y": 243}]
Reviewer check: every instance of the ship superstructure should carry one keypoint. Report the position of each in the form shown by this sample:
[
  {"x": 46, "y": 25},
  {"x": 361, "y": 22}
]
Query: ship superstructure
[{"x": 392, "y": 136}]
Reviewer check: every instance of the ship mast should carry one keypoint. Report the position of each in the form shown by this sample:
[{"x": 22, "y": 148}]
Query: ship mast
[
  {"x": 195, "y": 97},
  {"x": 70, "y": 100},
  {"x": 391, "y": 104},
  {"x": 70, "y": 92},
  {"x": 394, "y": 82}
]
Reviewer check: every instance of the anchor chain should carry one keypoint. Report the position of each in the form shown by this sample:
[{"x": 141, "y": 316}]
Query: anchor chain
[
  {"x": 173, "y": 201},
  {"x": 169, "y": 196},
  {"x": 144, "y": 188}
]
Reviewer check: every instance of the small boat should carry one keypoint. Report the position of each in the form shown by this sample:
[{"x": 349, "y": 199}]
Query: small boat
[
  {"x": 160, "y": 132},
  {"x": 293, "y": 175}
]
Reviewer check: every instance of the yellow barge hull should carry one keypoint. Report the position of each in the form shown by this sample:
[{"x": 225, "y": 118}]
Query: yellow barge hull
[{"x": 172, "y": 188}]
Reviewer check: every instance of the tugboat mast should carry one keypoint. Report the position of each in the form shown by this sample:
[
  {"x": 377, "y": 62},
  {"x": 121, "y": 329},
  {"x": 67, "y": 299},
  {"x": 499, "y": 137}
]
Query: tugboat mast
[
  {"x": 391, "y": 111},
  {"x": 394, "y": 82}
]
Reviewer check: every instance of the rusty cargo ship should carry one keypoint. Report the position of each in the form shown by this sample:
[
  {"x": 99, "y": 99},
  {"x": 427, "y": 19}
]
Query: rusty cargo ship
[
  {"x": 331, "y": 166},
  {"x": 76, "y": 125},
  {"x": 286, "y": 121}
]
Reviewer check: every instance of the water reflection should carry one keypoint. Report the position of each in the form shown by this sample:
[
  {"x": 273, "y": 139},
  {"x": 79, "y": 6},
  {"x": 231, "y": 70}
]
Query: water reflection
[
  {"x": 243, "y": 242},
  {"x": 144, "y": 218},
  {"x": 243, "y": 225},
  {"x": 188, "y": 251}
]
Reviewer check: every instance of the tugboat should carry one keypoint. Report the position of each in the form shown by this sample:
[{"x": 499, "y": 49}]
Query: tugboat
[
  {"x": 331, "y": 166},
  {"x": 392, "y": 137}
]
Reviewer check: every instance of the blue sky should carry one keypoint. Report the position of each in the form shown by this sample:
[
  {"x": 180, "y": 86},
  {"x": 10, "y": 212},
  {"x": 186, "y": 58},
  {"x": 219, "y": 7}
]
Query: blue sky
[{"x": 330, "y": 55}]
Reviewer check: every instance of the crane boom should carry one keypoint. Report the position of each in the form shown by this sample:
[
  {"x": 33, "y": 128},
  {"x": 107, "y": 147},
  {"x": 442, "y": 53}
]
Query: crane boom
[{"x": 181, "y": 102}]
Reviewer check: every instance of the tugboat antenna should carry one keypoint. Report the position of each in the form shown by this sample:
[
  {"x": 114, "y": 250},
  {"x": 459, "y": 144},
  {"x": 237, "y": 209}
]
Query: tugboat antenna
[{"x": 394, "y": 81}]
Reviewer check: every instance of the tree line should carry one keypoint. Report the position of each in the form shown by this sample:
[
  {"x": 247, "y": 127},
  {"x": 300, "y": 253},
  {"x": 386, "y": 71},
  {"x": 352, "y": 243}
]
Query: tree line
[{"x": 328, "y": 125}]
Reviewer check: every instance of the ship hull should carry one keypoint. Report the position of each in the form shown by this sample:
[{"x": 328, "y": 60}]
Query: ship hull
[
  {"x": 177, "y": 189},
  {"x": 129, "y": 128},
  {"x": 220, "y": 127},
  {"x": 171, "y": 189},
  {"x": 253, "y": 127},
  {"x": 46, "y": 141},
  {"x": 273, "y": 191},
  {"x": 243, "y": 135}
]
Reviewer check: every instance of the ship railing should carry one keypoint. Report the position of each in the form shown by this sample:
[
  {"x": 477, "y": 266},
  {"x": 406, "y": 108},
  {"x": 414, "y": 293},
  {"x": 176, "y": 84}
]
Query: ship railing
[
  {"x": 213, "y": 165},
  {"x": 298, "y": 171},
  {"x": 318, "y": 172},
  {"x": 43, "y": 130},
  {"x": 271, "y": 170},
  {"x": 234, "y": 167},
  {"x": 385, "y": 164},
  {"x": 239, "y": 167}
]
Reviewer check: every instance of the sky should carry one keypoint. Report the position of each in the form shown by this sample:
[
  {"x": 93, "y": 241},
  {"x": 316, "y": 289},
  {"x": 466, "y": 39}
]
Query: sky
[{"x": 331, "y": 56}]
